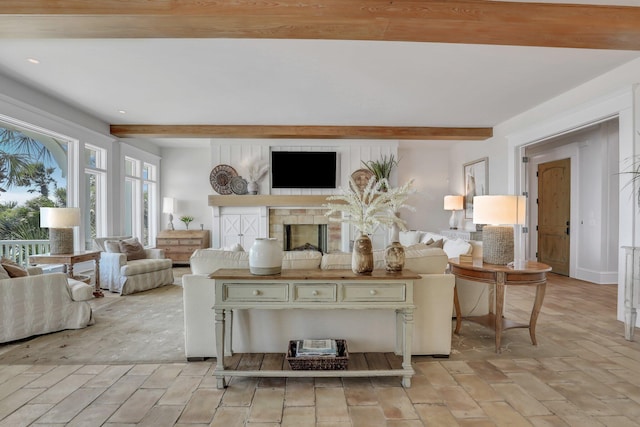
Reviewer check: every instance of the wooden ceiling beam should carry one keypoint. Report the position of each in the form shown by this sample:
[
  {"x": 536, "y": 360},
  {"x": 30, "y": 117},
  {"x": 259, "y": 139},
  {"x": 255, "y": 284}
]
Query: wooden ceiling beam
[
  {"x": 301, "y": 132},
  {"x": 451, "y": 21}
]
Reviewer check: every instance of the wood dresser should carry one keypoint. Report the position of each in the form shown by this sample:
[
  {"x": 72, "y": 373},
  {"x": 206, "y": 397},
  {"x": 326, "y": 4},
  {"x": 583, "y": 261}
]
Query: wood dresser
[{"x": 180, "y": 244}]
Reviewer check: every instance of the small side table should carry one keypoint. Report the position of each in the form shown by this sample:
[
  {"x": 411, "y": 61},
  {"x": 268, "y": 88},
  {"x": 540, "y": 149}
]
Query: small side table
[
  {"x": 68, "y": 260},
  {"x": 529, "y": 274}
]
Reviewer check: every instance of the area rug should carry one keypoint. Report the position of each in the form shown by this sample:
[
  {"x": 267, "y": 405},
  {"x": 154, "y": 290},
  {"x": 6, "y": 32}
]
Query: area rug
[{"x": 144, "y": 327}]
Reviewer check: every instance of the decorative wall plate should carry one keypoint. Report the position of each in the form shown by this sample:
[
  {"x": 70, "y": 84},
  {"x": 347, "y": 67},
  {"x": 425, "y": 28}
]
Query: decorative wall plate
[
  {"x": 220, "y": 178},
  {"x": 238, "y": 185},
  {"x": 361, "y": 177}
]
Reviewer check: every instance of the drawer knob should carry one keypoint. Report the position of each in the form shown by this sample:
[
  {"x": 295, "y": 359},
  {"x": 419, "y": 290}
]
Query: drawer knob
[
  {"x": 256, "y": 292},
  {"x": 315, "y": 293},
  {"x": 372, "y": 292}
]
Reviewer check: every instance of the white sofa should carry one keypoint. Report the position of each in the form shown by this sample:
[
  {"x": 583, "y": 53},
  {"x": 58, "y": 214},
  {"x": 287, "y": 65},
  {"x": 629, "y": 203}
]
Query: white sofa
[
  {"x": 473, "y": 296},
  {"x": 364, "y": 330},
  {"x": 42, "y": 303}
]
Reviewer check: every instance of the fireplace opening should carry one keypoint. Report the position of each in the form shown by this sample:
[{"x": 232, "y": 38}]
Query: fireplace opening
[{"x": 301, "y": 237}]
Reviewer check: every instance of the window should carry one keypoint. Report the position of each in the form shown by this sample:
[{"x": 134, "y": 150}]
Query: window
[
  {"x": 141, "y": 205},
  {"x": 93, "y": 201},
  {"x": 33, "y": 173}
]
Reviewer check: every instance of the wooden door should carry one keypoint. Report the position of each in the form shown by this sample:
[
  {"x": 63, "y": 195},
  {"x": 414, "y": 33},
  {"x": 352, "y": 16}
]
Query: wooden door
[{"x": 554, "y": 212}]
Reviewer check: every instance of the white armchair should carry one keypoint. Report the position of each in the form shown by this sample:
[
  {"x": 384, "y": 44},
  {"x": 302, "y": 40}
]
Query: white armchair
[
  {"x": 117, "y": 274},
  {"x": 42, "y": 303}
]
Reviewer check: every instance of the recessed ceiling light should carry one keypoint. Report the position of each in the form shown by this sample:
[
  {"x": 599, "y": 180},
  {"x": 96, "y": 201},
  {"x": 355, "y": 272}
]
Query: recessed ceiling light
[
  {"x": 122, "y": 112},
  {"x": 33, "y": 60}
]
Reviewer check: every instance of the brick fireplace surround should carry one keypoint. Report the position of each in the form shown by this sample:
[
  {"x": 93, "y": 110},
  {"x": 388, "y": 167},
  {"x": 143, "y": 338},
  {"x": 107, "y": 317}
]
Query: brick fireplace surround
[
  {"x": 279, "y": 210},
  {"x": 279, "y": 217}
]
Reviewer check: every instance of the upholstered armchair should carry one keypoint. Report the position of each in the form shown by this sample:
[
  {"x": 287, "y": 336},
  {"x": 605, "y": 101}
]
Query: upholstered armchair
[
  {"x": 35, "y": 303},
  {"x": 125, "y": 271}
]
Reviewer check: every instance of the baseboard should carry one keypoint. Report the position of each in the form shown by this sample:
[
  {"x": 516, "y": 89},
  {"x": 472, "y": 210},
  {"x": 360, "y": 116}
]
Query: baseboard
[
  {"x": 195, "y": 359},
  {"x": 597, "y": 277}
]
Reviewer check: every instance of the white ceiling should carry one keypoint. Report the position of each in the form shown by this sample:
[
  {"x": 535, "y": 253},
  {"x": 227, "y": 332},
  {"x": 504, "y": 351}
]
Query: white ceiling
[{"x": 300, "y": 82}]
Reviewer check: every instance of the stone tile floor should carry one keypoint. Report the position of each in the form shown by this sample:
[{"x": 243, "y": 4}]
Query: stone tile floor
[{"x": 582, "y": 373}]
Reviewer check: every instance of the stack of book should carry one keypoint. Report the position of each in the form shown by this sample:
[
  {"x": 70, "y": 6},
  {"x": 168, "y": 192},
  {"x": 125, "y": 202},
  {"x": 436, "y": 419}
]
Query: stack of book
[{"x": 316, "y": 348}]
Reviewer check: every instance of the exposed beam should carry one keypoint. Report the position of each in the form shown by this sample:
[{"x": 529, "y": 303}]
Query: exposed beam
[
  {"x": 471, "y": 21},
  {"x": 301, "y": 132}
]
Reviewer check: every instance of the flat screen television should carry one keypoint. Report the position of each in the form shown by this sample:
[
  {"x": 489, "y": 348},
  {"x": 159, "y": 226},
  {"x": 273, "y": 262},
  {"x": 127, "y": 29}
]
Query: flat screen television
[{"x": 303, "y": 169}]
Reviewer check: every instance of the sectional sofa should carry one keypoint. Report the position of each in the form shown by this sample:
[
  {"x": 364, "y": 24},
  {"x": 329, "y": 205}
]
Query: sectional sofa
[
  {"x": 474, "y": 297},
  {"x": 364, "y": 330}
]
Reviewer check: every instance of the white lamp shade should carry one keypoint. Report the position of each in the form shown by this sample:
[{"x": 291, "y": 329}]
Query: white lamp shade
[
  {"x": 453, "y": 203},
  {"x": 59, "y": 217},
  {"x": 499, "y": 210},
  {"x": 168, "y": 205}
]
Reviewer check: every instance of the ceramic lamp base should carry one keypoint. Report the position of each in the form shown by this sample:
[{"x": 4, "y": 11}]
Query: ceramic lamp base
[
  {"x": 452, "y": 221},
  {"x": 61, "y": 241},
  {"x": 497, "y": 244}
]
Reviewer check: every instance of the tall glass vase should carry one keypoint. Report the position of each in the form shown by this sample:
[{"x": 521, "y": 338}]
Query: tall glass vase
[
  {"x": 394, "y": 252},
  {"x": 362, "y": 256}
]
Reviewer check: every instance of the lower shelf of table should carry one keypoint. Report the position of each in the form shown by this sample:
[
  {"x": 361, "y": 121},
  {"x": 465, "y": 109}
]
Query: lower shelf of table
[{"x": 276, "y": 365}]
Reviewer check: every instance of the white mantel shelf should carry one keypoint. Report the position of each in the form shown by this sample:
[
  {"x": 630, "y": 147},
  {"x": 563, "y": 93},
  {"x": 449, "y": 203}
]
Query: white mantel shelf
[{"x": 267, "y": 200}]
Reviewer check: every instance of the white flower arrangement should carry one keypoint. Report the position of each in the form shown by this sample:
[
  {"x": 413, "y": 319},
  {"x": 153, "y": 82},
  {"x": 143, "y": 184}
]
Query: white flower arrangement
[
  {"x": 257, "y": 170},
  {"x": 367, "y": 208}
]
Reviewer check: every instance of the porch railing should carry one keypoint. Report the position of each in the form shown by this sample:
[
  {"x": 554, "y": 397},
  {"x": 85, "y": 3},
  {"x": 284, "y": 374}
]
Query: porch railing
[{"x": 19, "y": 250}]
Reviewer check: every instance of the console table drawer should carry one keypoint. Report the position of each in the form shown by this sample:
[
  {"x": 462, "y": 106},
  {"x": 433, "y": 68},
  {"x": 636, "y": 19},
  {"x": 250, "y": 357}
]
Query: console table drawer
[
  {"x": 248, "y": 292},
  {"x": 314, "y": 292},
  {"x": 374, "y": 292}
]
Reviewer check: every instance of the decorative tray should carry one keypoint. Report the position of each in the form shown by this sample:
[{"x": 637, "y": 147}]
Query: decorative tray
[
  {"x": 361, "y": 177},
  {"x": 238, "y": 185},
  {"x": 220, "y": 179}
]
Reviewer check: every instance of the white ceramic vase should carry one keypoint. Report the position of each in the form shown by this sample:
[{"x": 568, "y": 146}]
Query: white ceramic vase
[
  {"x": 265, "y": 257},
  {"x": 252, "y": 187}
]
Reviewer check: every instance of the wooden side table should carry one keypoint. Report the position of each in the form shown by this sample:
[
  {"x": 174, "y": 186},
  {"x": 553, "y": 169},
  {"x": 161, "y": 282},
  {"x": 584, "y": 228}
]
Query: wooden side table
[
  {"x": 529, "y": 274},
  {"x": 68, "y": 260}
]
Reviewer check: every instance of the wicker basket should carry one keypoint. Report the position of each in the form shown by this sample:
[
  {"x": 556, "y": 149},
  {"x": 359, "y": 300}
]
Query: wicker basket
[{"x": 325, "y": 363}]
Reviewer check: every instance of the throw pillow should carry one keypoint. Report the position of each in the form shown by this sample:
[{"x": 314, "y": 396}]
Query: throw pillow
[
  {"x": 12, "y": 268},
  {"x": 3, "y": 273},
  {"x": 112, "y": 246},
  {"x": 98, "y": 242},
  {"x": 456, "y": 247},
  {"x": 133, "y": 248},
  {"x": 410, "y": 237},
  {"x": 237, "y": 248},
  {"x": 437, "y": 244}
]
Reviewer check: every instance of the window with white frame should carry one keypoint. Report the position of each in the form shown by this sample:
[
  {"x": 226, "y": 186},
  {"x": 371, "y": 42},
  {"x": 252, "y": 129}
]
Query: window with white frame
[
  {"x": 140, "y": 193},
  {"x": 93, "y": 200}
]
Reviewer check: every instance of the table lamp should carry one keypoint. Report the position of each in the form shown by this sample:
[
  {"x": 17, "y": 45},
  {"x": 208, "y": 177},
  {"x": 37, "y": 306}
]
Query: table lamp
[
  {"x": 453, "y": 204},
  {"x": 60, "y": 222},
  {"x": 500, "y": 213},
  {"x": 167, "y": 207}
]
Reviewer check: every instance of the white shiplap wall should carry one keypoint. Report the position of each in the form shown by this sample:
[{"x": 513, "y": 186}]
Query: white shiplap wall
[{"x": 238, "y": 153}]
